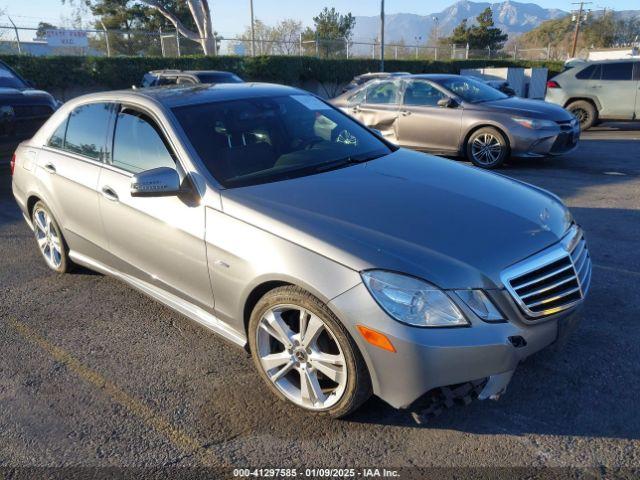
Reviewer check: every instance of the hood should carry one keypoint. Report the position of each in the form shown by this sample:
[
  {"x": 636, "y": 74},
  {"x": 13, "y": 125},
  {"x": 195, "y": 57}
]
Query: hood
[
  {"x": 453, "y": 225},
  {"x": 538, "y": 109},
  {"x": 26, "y": 96}
]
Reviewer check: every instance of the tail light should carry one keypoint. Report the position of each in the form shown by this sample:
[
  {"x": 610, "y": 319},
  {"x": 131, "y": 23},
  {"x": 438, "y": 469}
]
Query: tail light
[
  {"x": 553, "y": 84},
  {"x": 12, "y": 164}
]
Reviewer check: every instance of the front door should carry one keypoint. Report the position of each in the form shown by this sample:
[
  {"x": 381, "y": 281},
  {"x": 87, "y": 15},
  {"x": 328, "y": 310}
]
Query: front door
[
  {"x": 159, "y": 240},
  {"x": 423, "y": 124},
  {"x": 379, "y": 110}
]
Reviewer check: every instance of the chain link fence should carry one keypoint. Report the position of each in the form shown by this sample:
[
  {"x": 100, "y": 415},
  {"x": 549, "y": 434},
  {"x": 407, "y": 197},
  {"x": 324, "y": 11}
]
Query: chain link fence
[{"x": 97, "y": 42}]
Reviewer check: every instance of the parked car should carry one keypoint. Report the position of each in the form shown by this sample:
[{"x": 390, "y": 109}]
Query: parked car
[
  {"x": 594, "y": 91},
  {"x": 347, "y": 266},
  {"x": 456, "y": 115},
  {"x": 23, "y": 109},
  {"x": 187, "y": 77},
  {"x": 367, "y": 77},
  {"x": 503, "y": 86}
]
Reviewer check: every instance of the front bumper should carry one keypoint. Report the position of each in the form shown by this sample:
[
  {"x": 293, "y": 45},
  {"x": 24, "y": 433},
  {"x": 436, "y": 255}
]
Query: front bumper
[
  {"x": 542, "y": 143},
  {"x": 427, "y": 358}
]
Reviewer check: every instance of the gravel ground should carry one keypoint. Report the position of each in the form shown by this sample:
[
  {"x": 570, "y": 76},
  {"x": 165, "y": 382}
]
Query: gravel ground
[{"x": 94, "y": 374}]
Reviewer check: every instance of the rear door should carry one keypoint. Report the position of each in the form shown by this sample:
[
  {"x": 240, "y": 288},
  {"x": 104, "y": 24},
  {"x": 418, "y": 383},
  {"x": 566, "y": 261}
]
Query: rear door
[
  {"x": 379, "y": 109},
  {"x": 69, "y": 167},
  {"x": 617, "y": 90},
  {"x": 423, "y": 124}
]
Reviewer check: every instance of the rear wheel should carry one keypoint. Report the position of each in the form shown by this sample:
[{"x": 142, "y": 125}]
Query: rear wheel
[
  {"x": 487, "y": 148},
  {"x": 585, "y": 112},
  {"x": 305, "y": 355},
  {"x": 49, "y": 238}
]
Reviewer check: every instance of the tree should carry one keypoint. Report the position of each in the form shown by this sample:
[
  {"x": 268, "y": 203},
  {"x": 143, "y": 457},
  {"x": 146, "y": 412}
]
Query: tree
[
  {"x": 282, "y": 39},
  {"x": 332, "y": 31},
  {"x": 192, "y": 18},
  {"x": 485, "y": 34},
  {"x": 481, "y": 35},
  {"x": 201, "y": 15},
  {"x": 41, "y": 32}
]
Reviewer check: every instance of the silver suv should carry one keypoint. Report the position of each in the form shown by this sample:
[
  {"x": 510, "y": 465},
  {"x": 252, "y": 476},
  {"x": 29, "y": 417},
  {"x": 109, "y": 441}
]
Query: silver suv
[
  {"x": 345, "y": 265},
  {"x": 593, "y": 91}
]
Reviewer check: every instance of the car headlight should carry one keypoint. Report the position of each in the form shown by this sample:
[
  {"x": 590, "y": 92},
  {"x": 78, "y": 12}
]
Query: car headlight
[
  {"x": 413, "y": 301},
  {"x": 480, "y": 304},
  {"x": 534, "y": 123}
]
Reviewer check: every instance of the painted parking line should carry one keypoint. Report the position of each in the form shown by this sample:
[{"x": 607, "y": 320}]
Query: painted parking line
[{"x": 175, "y": 435}]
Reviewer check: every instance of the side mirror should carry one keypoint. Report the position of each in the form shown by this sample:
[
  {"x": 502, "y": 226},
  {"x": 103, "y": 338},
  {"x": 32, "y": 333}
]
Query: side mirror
[
  {"x": 447, "y": 102},
  {"x": 157, "y": 182}
]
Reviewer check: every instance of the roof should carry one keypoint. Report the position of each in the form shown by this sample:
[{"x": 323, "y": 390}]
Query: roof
[
  {"x": 169, "y": 71},
  {"x": 173, "y": 96}
]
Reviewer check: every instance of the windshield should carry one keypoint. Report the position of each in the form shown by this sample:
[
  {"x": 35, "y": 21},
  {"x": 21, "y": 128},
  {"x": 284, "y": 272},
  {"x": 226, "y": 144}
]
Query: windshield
[
  {"x": 8, "y": 79},
  {"x": 218, "y": 78},
  {"x": 470, "y": 90},
  {"x": 260, "y": 140}
]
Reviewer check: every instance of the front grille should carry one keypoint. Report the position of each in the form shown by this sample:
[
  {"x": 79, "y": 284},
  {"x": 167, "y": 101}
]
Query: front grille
[
  {"x": 564, "y": 141},
  {"x": 553, "y": 280}
]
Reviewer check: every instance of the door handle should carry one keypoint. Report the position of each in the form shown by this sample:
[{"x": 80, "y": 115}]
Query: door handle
[
  {"x": 355, "y": 109},
  {"x": 109, "y": 194},
  {"x": 50, "y": 167},
  {"x": 405, "y": 113}
]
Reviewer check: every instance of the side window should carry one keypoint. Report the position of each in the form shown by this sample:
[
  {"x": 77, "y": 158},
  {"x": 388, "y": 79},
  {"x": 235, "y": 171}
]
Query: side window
[
  {"x": 617, "y": 71},
  {"x": 138, "y": 145},
  {"x": 87, "y": 130},
  {"x": 166, "y": 81},
  {"x": 57, "y": 139},
  {"x": 383, "y": 93},
  {"x": 185, "y": 81},
  {"x": 421, "y": 93},
  {"x": 589, "y": 73},
  {"x": 358, "y": 97}
]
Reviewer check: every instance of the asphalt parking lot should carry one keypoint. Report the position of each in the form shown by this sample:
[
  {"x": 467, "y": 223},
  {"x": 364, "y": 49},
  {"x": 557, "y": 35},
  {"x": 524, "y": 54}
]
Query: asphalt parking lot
[{"x": 93, "y": 373}]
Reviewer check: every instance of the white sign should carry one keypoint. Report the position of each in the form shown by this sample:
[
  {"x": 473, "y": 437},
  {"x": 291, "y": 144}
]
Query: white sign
[{"x": 67, "y": 38}]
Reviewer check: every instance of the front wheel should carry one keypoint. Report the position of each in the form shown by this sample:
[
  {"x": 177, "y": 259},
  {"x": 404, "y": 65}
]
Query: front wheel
[
  {"x": 487, "y": 148},
  {"x": 305, "y": 355}
]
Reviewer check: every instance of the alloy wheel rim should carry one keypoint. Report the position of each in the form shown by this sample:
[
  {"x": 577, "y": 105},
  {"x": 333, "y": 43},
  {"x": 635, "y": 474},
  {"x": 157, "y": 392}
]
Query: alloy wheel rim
[
  {"x": 486, "y": 149},
  {"x": 48, "y": 238},
  {"x": 301, "y": 356},
  {"x": 581, "y": 115}
]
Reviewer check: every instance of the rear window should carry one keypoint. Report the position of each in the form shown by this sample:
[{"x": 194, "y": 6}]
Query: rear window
[
  {"x": 617, "y": 71},
  {"x": 8, "y": 79},
  {"x": 219, "y": 78}
]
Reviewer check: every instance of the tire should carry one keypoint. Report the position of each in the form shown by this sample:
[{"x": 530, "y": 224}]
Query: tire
[
  {"x": 585, "y": 112},
  {"x": 336, "y": 380},
  {"x": 487, "y": 148},
  {"x": 49, "y": 239}
]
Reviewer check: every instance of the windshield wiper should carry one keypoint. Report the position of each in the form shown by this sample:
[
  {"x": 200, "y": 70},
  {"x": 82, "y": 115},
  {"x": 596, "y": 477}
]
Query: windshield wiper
[{"x": 351, "y": 160}]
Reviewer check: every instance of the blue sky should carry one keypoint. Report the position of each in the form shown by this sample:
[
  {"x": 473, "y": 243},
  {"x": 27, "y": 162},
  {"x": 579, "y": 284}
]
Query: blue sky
[{"x": 231, "y": 16}]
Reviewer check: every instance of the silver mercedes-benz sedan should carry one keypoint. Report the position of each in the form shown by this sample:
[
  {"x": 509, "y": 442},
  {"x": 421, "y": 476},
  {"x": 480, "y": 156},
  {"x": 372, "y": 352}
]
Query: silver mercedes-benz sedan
[
  {"x": 346, "y": 266},
  {"x": 456, "y": 115}
]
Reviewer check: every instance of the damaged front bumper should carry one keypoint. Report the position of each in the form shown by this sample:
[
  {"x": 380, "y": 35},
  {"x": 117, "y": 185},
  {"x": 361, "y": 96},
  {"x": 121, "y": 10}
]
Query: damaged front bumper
[{"x": 427, "y": 358}]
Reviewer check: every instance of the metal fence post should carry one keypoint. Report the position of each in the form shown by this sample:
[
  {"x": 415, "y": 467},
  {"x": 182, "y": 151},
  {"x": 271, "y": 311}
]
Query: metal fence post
[
  {"x": 396, "y": 52},
  {"x": 17, "y": 36},
  {"x": 300, "y": 44},
  {"x": 178, "y": 42},
  {"x": 453, "y": 50},
  {"x": 161, "y": 42},
  {"x": 489, "y": 51},
  {"x": 466, "y": 53},
  {"x": 347, "y": 42},
  {"x": 548, "y": 51},
  {"x": 435, "y": 53}
]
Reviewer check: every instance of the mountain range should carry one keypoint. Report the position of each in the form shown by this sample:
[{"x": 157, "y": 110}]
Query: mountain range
[{"x": 511, "y": 17}]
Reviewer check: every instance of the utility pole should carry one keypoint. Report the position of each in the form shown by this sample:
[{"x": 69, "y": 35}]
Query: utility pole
[
  {"x": 253, "y": 31},
  {"x": 436, "y": 20},
  {"x": 382, "y": 35},
  {"x": 578, "y": 20}
]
